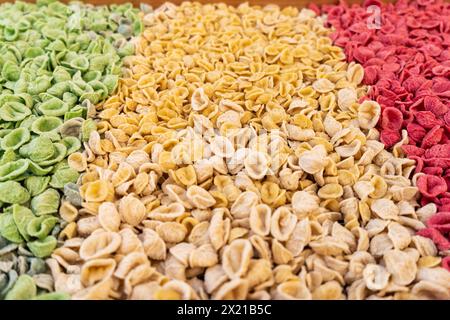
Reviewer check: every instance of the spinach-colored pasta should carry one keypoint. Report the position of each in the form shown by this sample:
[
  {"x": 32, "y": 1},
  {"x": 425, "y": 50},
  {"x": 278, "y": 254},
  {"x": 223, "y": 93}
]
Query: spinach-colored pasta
[
  {"x": 12, "y": 192},
  {"x": 15, "y": 139},
  {"x": 23, "y": 289},
  {"x": 45, "y": 203},
  {"x": 43, "y": 248},
  {"x": 36, "y": 184},
  {"x": 8, "y": 228},
  {"x": 56, "y": 62}
]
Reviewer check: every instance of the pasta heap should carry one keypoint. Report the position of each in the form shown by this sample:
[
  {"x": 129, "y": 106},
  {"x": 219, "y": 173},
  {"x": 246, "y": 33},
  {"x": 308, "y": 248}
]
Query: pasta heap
[
  {"x": 239, "y": 159},
  {"x": 56, "y": 62},
  {"x": 406, "y": 63}
]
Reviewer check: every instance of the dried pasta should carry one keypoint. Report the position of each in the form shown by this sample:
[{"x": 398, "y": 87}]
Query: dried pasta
[
  {"x": 57, "y": 61},
  {"x": 237, "y": 160}
]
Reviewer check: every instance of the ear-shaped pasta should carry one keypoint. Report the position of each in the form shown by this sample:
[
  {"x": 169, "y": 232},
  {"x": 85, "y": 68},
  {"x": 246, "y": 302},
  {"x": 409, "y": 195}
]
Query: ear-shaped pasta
[
  {"x": 97, "y": 270},
  {"x": 282, "y": 223},
  {"x": 260, "y": 219},
  {"x": 259, "y": 272},
  {"x": 15, "y": 139},
  {"x": 214, "y": 278},
  {"x": 138, "y": 275},
  {"x": 368, "y": 114},
  {"x": 40, "y": 227},
  {"x": 401, "y": 266},
  {"x": 53, "y": 107},
  {"x": 355, "y": 73},
  {"x": 236, "y": 258},
  {"x": 12, "y": 192},
  {"x": 42, "y": 248},
  {"x": 87, "y": 126},
  {"x": 94, "y": 143},
  {"x": 109, "y": 217},
  {"x": 122, "y": 174},
  {"x": 23, "y": 289},
  {"x": 8, "y": 228},
  {"x": 137, "y": 158},
  {"x": 71, "y": 128},
  {"x": 292, "y": 290},
  {"x": 199, "y": 100},
  {"x": 203, "y": 256},
  {"x": 331, "y": 191},
  {"x": 219, "y": 229},
  {"x": 129, "y": 262},
  {"x": 300, "y": 237},
  {"x": 154, "y": 246},
  {"x": 376, "y": 277},
  {"x": 60, "y": 151},
  {"x": 167, "y": 213},
  {"x": 346, "y": 97},
  {"x": 45, "y": 203},
  {"x": 199, "y": 197},
  {"x": 14, "y": 111},
  {"x": 182, "y": 251},
  {"x": 130, "y": 242},
  {"x": 72, "y": 144},
  {"x": 385, "y": 209},
  {"x": 222, "y": 147},
  {"x": 187, "y": 175},
  {"x": 38, "y": 150},
  {"x": 363, "y": 189},
  {"x": 331, "y": 125},
  {"x": 331, "y": 290},
  {"x": 98, "y": 191},
  {"x": 172, "y": 232},
  {"x": 22, "y": 217},
  {"x": 132, "y": 210},
  {"x": 244, "y": 203},
  {"x": 100, "y": 245},
  {"x": 313, "y": 161},
  {"x": 77, "y": 161},
  {"x": 236, "y": 289},
  {"x": 323, "y": 85},
  {"x": 304, "y": 203},
  {"x": 99, "y": 291},
  {"x": 329, "y": 246},
  {"x": 72, "y": 194},
  {"x": 349, "y": 150},
  {"x": 399, "y": 235},
  {"x": 256, "y": 165},
  {"x": 14, "y": 169},
  {"x": 174, "y": 268},
  {"x": 47, "y": 126},
  {"x": 175, "y": 290},
  {"x": 280, "y": 254}
]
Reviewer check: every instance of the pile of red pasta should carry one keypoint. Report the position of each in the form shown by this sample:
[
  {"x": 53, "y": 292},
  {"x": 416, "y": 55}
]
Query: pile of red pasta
[{"x": 406, "y": 59}]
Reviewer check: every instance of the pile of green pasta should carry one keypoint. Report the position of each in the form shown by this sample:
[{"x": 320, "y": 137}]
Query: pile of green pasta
[{"x": 56, "y": 62}]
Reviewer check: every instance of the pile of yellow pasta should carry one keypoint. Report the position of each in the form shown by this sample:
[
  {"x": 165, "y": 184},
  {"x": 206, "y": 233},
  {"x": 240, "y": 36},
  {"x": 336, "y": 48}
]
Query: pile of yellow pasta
[{"x": 237, "y": 161}]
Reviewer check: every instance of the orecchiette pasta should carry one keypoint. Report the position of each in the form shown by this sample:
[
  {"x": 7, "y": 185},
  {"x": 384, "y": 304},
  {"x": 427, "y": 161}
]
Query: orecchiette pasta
[
  {"x": 58, "y": 61},
  {"x": 241, "y": 163}
]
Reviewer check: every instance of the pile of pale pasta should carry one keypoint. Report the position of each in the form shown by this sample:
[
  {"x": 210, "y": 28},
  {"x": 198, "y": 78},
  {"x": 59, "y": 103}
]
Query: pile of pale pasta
[{"x": 237, "y": 160}]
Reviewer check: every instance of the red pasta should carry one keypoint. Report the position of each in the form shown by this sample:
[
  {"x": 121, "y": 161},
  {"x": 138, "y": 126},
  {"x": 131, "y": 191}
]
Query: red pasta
[{"x": 407, "y": 63}]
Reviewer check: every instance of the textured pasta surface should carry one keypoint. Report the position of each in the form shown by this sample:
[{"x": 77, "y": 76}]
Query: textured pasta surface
[
  {"x": 239, "y": 159},
  {"x": 407, "y": 64},
  {"x": 56, "y": 62}
]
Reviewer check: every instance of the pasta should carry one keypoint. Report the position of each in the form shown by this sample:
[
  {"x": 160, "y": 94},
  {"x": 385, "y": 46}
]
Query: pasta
[
  {"x": 410, "y": 122},
  {"x": 238, "y": 160},
  {"x": 57, "y": 61}
]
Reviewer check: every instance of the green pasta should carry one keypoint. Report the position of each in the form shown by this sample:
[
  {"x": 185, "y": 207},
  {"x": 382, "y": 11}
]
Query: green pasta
[{"x": 56, "y": 61}]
